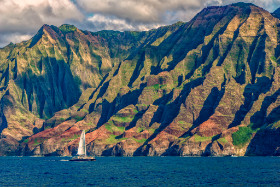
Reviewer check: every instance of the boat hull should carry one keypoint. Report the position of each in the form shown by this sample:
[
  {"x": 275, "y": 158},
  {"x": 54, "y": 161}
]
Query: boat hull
[{"x": 82, "y": 158}]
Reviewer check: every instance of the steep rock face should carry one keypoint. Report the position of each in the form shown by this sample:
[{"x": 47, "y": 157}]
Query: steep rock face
[
  {"x": 206, "y": 87},
  {"x": 49, "y": 72}
]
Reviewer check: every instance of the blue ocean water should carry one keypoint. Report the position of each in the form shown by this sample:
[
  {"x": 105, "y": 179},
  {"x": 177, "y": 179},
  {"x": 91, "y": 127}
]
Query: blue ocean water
[{"x": 140, "y": 171}]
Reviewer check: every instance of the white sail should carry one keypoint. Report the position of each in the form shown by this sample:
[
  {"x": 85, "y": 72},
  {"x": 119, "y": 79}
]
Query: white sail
[{"x": 82, "y": 145}]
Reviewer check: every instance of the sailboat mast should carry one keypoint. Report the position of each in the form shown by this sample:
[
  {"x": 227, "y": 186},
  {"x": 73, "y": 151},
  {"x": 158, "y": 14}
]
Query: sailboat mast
[
  {"x": 82, "y": 144},
  {"x": 85, "y": 142}
]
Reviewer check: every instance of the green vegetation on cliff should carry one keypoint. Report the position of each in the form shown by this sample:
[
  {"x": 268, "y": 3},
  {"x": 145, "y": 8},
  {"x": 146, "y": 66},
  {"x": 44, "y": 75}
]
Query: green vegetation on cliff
[
  {"x": 186, "y": 89},
  {"x": 242, "y": 136},
  {"x": 67, "y": 28}
]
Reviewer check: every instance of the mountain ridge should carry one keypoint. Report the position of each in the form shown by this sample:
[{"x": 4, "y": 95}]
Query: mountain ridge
[{"x": 206, "y": 87}]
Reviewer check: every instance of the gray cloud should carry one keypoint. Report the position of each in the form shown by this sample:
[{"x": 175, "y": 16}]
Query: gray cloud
[
  {"x": 147, "y": 14},
  {"x": 21, "y": 19},
  {"x": 270, "y": 5},
  {"x": 159, "y": 11},
  {"x": 139, "y": 11},
  {"x": 13, "y": 37},
  {"x": 98, "y": 21}
]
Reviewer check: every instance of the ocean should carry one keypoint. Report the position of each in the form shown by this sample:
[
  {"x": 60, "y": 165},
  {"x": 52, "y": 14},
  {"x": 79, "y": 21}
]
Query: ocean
[{"x": 140, "y": 171}]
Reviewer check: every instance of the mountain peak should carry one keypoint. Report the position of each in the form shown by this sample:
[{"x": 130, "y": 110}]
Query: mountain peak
[
  {"x": 67, "y": 28},
  {"x": 242, "y": 4},
  {"x": 50, "y": 30},
  {"x": 239, "y": 4},
  {"x": 46, "y": 27},
  {"x": 217, "y": 12}
]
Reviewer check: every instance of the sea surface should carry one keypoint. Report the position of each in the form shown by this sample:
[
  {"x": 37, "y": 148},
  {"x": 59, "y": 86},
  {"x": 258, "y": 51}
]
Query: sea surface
[{"x": 140, "y": 171}]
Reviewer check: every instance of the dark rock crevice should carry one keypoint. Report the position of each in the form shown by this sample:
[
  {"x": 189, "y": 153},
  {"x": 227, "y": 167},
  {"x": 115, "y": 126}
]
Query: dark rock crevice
[
  {"x": 264, "y": 143},
  {"x": 210, "y": 105},
  {"x": 251, "y": 94},
  {"x": 259, "y": 118},
  {"x": 137, "y": 70},
  {"x": 120, "y": 102},
  {"x": 165, "y": 114},
  {"x": 274, "y": 116},
  {"x": 3, "y": 123},
  {"x": 256, "y": 54}
]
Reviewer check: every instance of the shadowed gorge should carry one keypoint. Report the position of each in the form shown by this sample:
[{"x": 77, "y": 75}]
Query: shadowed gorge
[{"x": 207, "y": 87}]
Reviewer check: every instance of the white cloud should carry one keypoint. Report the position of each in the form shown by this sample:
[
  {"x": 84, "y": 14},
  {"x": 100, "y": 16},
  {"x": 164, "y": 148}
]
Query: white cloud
[
  {"x": 101, "y": 22},
  {"x": 29, "y": 14},
  {"x": 18, "y": 17},
  {"x": 14, "y": 38},
  {"x": 160, "y": 11},
  {"x": 269, "y": 5},
  {"x": 147, "y": 14},
  {"x": 21, "y": 18},
  {"x": 145, "y": 11}
]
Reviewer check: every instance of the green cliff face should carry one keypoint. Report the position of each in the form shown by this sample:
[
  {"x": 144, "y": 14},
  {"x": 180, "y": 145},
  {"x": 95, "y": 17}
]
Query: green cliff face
[
  {"x": 206, "y": 87},
  {"x": 49, "y": 72}
]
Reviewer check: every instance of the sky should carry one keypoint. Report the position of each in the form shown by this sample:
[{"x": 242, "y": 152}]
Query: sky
[{"x": 20, "y": 20}]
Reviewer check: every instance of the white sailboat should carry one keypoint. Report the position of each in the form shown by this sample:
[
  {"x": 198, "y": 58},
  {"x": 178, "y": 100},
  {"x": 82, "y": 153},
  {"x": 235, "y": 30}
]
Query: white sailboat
[{"x": 82, "y": 150}]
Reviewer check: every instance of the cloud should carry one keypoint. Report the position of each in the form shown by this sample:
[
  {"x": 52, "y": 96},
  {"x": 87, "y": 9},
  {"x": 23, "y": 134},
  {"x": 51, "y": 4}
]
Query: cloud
[
  {"x": 145, "y": 14},
  {"x": 13, "y": 37},
  {"x": 270, "y": 5},
  {"x": 101, "y": 22},
  {"x": 23, "y": 18},
  {"x": 19, "y": 19},
  {"x": 144, "y": 11},
  {"x": 151, "y": 11}
]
